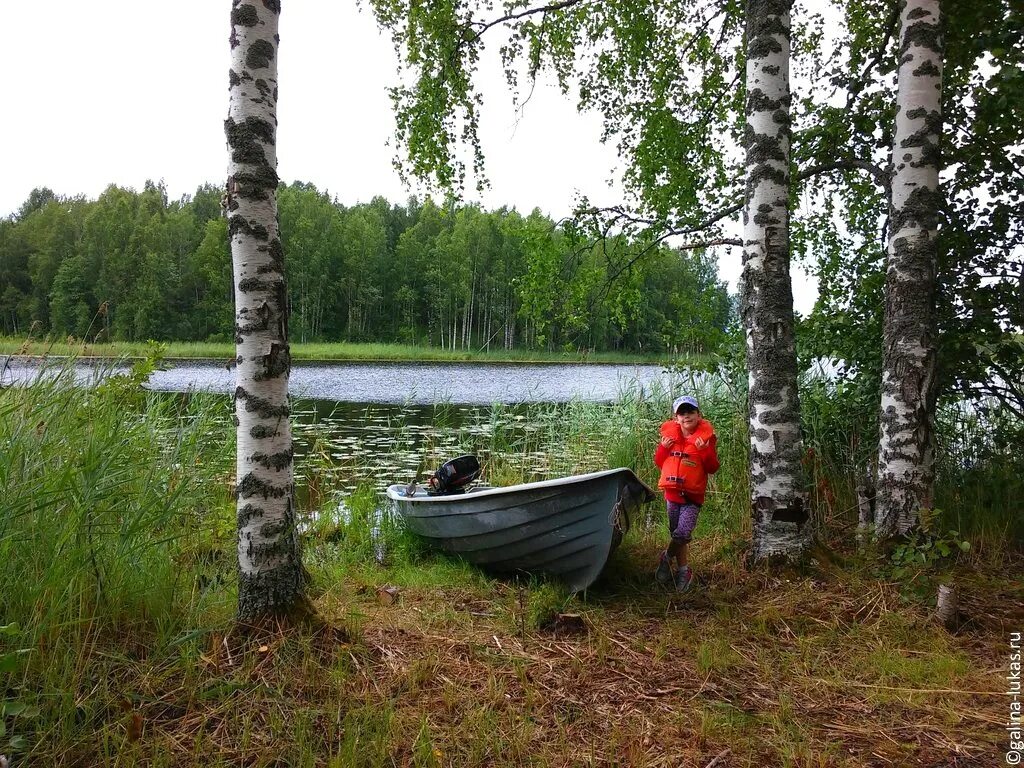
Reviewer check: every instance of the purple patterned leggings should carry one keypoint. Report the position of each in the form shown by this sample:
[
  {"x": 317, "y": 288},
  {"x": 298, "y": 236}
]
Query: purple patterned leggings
[{"x": 682, "y": 519}]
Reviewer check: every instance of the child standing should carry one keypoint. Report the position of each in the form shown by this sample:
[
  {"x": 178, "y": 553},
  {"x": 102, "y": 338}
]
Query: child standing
[{"x": 686, "y": 456}]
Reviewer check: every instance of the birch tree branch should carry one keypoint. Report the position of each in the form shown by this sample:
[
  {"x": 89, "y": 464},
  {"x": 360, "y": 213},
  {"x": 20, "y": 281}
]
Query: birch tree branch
[{"x": 484, "y": 26}]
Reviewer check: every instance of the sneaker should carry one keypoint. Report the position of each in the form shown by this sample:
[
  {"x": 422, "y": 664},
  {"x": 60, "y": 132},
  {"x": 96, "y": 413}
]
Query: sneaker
[
  {"x": 663, "y": 575},
  {"x": 684, "y": 579}
]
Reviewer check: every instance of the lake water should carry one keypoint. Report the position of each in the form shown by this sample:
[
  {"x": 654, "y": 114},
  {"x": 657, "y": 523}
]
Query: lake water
[
  {"x": 404, "y": 382},
  {"x": 381, "y": 423}
]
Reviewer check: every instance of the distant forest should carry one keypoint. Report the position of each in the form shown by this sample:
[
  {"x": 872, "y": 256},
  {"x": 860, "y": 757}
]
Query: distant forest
[{"x": 135, "y": 266}]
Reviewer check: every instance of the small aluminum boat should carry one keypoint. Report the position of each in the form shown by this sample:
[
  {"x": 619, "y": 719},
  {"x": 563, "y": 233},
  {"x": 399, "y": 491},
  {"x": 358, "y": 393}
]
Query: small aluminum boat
[{"x": 565, "y": 528}]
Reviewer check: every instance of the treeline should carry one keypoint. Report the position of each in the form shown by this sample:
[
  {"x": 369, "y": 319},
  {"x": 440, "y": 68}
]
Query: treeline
[{"x": 134, "y": 266}]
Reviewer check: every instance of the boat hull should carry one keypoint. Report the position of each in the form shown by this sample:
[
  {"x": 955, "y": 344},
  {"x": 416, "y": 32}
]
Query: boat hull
[{"x": 565, "y": 528}]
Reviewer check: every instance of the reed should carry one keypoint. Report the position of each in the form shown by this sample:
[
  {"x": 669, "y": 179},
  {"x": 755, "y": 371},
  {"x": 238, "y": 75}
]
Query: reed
[
  {"x": 111, "y": 496},
  {"x": 105, "y": 489}
]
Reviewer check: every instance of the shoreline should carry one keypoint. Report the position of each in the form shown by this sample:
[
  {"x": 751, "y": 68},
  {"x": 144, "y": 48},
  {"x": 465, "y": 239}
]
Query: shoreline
[
  {"x": 300, "y": 356},
  {"x": 301, "y": 361}
]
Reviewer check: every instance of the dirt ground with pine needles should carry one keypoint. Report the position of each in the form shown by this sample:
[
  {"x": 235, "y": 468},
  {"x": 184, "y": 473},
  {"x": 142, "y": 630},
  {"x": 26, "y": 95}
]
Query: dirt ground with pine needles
[{"x": 836, "y": 668}]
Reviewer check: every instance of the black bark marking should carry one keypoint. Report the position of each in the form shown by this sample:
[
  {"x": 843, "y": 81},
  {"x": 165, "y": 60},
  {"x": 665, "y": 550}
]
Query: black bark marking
[
  {"x": 258, "y": 183},
  {"x": 250, "y": 486},
  {"x": 759, "y": 101},
  {"x": 765, "y": 172},
  {"x": 262, "y": 431},
  {"x": 924, "y": 34},
  {"x": 246, "y": 140},
  {"x": 247, "y": 284},
  {"x": 248, "y": 513},
  {"x": 263, "y": 87},
  {"x": 270, "y": 530},
  {"x": 245, "y": 16},
  {"x": 763, "y": 24},
  {"x": 261, "y": 322},
  {"x": 767, "y": 215},
  {"x": 921, "y": 210},
  {"x": 278, "y": 592},
  {"x": 276, "y": 461},
  {"x": 277, "y": 362},
  {"x": 796, "y": 513},
  {"x": 264, "y": 408},
  {"x": 260, "y": 54},
  {"x": 239, "y": 224},
  {"x": 927, "y": 69},
  {"x": 277, "y": 254},
  {"x": 761, "y": 148}
]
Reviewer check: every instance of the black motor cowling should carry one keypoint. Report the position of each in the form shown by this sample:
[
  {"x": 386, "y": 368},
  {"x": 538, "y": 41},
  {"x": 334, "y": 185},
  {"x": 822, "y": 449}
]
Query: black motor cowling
[{"x": 454, "y": 476}]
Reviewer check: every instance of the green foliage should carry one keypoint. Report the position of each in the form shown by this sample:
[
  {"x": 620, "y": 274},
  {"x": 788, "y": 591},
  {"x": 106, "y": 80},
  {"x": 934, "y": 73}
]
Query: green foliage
[
  {"x": 544, "y": 602},
  {"x": 667, "y": 80},
  {"x": 133, "y": 266},
  {"x": 663, "y": 77},
  {"x": 918, "y": 561},
  {"x": 842, "y": 236},
  {"x": 16, "y": 710},
  {"x": 127, "y": 388},
  {"x": 980, "y": 470},
  {"x": 927, "y": 550}
]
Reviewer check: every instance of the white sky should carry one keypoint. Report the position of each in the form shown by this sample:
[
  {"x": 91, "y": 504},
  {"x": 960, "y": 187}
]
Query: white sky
[{"x": 120, "y": 91}]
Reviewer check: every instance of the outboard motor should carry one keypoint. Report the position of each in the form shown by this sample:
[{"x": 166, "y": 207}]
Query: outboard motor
[{"x": 454, "y": 476}]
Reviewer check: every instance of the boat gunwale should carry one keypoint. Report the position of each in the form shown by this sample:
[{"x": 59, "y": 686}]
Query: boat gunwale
[{"x": 393, "y": 490}]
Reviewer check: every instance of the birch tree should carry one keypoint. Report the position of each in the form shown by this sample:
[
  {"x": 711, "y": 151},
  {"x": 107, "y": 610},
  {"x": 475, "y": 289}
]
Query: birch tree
[
  {"x": 778, "y": 494},
  {"x": 270, "y": 574},
  {"x": 905, "y": 478}
]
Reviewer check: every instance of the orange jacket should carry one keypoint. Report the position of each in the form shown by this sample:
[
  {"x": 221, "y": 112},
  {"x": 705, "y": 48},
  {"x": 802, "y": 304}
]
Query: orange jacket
[{"x": 684, "y": 466}]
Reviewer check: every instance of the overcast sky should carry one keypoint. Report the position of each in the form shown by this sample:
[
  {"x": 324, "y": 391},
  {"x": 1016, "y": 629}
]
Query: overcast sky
[{"x": 120, "y": 91}]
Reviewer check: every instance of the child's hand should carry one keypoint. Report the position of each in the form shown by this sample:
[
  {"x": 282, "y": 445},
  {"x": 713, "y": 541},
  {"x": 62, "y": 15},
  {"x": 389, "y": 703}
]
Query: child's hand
[
  {"x": 700, "y": 442},
  {"x": 667, "y": 442}
]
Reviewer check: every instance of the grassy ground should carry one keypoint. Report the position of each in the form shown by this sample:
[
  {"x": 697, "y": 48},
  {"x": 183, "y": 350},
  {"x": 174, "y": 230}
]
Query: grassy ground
[
  {"x": 316, "y": 351},
  {"x": 457, "y": 669},
  {"x": 117, "y": 645}
]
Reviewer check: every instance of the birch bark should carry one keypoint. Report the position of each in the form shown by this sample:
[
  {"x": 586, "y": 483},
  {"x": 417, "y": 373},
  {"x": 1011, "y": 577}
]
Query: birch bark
[
  {"x": 270, "y": 568},
  {"x": 779, "y": 500},
  {"x": 906, "y": 443}
]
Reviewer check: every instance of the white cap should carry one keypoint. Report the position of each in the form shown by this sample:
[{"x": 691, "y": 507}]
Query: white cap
[{"x": 684, "y": 400}]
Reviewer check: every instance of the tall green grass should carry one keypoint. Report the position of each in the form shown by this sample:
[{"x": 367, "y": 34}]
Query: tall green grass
[
  {"x": 980, "y": 473},
  {"x": 107, "y": 493}
]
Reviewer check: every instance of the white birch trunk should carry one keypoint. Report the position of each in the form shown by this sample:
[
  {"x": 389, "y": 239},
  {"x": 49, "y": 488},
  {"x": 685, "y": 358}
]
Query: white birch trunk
[
  {"x": 269, "y": 563},
  {"x": 906, "y": 442},
  {"x": 779, "y": 498}
]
